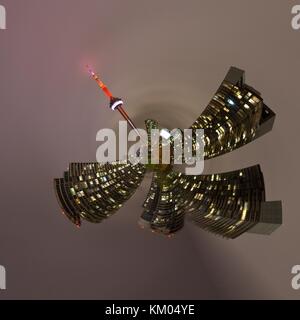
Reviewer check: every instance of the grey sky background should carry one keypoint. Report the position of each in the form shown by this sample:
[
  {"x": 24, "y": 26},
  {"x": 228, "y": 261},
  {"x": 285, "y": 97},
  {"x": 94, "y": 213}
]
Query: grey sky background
[{"x": 165, "y": 59}]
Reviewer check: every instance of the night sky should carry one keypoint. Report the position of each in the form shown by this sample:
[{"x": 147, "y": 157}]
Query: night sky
[{"x": 165, "y": 59}]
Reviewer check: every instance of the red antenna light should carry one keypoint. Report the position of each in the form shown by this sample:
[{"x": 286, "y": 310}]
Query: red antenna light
[{"x": 99, "y": 82}]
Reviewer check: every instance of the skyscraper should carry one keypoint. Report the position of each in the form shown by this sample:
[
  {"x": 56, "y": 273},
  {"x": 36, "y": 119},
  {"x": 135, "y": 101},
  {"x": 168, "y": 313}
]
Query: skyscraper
[{"x": 227, "y": 204}]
